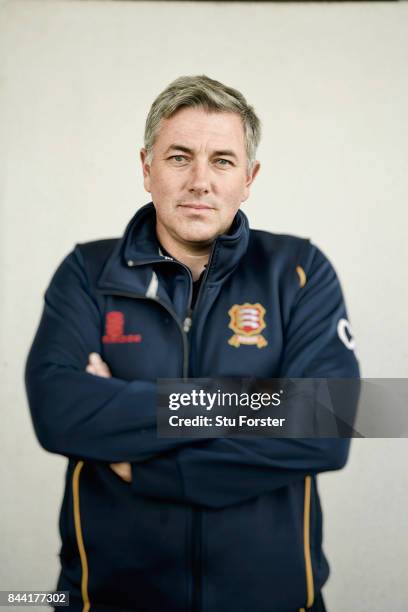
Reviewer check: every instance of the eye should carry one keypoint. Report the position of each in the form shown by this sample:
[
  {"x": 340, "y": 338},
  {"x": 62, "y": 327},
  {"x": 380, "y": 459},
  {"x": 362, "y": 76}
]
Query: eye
[
  {"x": 178, "y": 159},
  {"x": 223, "y": 162}
]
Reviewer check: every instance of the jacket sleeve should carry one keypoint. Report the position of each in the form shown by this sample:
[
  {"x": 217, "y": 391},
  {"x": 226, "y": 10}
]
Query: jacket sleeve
[
  {"x": 75, "y": 413},
  {"x": 223, "y": 471}
]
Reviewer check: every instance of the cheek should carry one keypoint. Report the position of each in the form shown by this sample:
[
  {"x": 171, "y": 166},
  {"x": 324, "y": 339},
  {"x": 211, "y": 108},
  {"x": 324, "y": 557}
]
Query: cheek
[
  {"x": 234, "y": 192},
  {"x": 164, "y": 184}
]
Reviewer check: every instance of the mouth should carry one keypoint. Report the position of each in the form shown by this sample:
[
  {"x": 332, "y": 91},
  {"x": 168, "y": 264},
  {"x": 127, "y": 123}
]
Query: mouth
[{"x": 196, "y": 206}]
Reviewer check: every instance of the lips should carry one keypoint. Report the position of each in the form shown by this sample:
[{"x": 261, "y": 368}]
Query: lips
[{"x": 196, "y": 206}]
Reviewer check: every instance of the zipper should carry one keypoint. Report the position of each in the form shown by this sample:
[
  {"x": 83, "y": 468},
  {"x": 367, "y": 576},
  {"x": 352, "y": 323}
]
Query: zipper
[
  {"x": 197, "y": 514},
  {"x": 189, "y": 319},
  {"x": 200, "y": 291}
]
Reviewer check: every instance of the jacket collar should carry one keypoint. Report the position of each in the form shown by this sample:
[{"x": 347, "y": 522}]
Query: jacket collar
[{"x": 139, "y": 248}]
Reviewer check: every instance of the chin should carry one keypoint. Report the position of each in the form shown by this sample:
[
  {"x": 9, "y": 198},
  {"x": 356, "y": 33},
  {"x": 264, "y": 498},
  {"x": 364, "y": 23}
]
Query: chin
[
  {"x": 198, "y": 232},
  {"x": 199, "y": 236}
]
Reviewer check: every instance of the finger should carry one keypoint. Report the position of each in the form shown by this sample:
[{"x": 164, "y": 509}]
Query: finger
[
  {"x": 95, "y": 358},
  {"x": 99, "y": 367},
  {"x": 102, "y": 369},
  {"x": 123, "y": 470}
]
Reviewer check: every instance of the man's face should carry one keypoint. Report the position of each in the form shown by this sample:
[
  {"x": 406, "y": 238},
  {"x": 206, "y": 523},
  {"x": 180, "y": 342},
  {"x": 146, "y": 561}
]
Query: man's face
[{"x": 198, "y": 175}]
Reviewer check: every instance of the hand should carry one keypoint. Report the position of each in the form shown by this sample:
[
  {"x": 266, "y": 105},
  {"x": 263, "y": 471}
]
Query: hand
[
  {"x": 123, "y": 470},
  {"x": 98, "y": 367}
]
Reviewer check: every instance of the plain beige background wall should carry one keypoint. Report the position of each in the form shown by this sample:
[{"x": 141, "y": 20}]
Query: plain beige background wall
[{"x": 330, "y": 85}]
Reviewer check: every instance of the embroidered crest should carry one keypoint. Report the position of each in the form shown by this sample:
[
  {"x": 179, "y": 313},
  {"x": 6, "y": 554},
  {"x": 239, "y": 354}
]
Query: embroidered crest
[
  {"x": 115, "y": 328},
  {"x": 247, "y": 321}
]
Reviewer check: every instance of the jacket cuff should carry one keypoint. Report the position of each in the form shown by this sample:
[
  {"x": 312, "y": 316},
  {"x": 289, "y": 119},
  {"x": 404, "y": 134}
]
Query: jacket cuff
[{"x": 159, "y": 477}]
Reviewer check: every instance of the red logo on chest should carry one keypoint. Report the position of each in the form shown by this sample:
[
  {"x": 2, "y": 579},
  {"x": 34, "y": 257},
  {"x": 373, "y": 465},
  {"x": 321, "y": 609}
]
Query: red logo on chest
[{"x": 114, "y": 330}]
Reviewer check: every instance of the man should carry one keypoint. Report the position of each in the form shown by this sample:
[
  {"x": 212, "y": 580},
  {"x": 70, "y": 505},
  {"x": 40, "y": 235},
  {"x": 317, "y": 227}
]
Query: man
[{"x": 156, "y": 524}]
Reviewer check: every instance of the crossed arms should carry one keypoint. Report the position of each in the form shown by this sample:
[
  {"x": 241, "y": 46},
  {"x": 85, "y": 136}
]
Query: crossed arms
[{"x": 87, "y": 415}]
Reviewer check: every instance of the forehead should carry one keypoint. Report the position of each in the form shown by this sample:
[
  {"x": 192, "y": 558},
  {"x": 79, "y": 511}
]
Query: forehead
[{"x": 197, "y": 127}]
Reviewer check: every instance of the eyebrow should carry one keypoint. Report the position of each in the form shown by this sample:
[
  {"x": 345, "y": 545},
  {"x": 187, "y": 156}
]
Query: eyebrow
[{"x": 223, "y": 152}]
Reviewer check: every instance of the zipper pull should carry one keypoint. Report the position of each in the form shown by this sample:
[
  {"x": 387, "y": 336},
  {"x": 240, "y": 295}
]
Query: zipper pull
[{"x": 187, "y": 324}]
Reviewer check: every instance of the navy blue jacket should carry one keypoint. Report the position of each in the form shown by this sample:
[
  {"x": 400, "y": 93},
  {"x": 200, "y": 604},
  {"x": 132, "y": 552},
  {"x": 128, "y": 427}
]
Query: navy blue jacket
[{"x": 206, "y": 525}]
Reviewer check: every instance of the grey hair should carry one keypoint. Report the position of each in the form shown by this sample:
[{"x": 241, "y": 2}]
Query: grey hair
[{"x": 213, "y": 96}]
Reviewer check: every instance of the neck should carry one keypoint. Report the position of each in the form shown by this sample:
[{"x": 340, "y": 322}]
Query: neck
[{"x": 194, "y": 256}]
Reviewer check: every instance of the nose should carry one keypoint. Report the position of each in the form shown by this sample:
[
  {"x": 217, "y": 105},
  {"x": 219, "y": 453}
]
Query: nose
[{"x": 199, "y": 177}]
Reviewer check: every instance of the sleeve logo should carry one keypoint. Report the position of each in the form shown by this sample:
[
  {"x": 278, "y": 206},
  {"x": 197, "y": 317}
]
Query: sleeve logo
[
  {"x": 345, "y": 334},
  {"x": 247, "y": 321}
]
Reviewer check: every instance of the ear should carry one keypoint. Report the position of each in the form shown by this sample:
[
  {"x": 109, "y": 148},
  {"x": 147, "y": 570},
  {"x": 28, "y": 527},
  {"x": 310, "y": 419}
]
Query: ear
[
  {"x": 145, "y": 169},
  {"x": 250, "y": 179}
]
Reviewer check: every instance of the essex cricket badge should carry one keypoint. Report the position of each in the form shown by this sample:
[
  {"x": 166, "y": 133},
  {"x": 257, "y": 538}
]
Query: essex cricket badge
[{"x": 247, "y": 322}]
